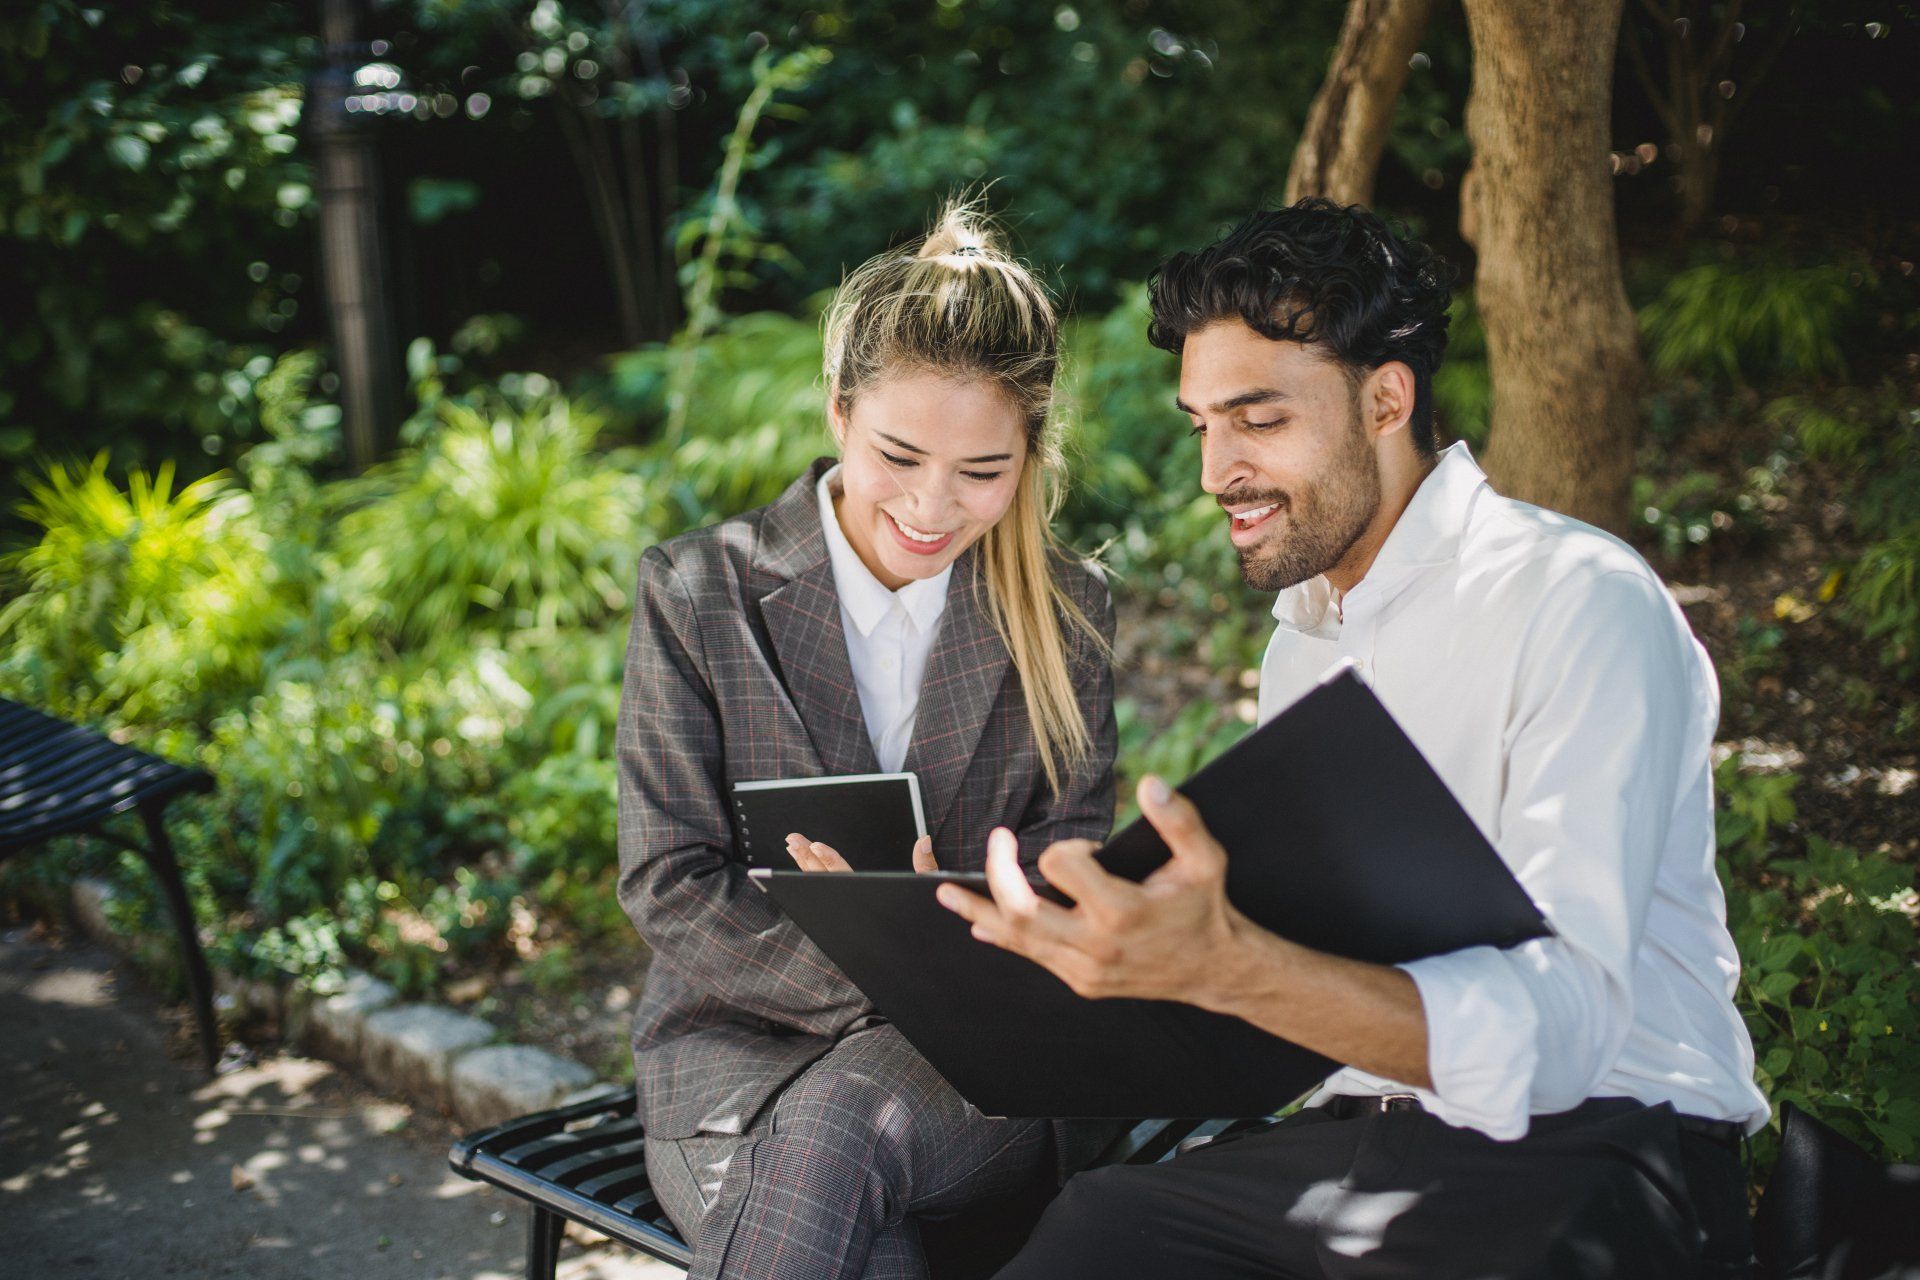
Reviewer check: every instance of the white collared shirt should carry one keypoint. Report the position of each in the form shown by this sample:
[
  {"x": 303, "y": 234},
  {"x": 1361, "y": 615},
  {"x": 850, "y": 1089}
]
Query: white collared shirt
[
  {"x": 1544, "y": 671},
  {"x": 889, "y": 634}
]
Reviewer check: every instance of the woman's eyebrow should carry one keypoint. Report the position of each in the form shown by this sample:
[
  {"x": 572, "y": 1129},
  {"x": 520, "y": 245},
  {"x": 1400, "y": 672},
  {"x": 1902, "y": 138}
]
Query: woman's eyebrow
[{"x": 914, "y": 448}]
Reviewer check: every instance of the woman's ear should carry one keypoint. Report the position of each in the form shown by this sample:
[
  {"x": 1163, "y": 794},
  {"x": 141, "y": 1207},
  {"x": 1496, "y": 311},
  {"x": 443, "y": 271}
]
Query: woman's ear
[{"x": 836, "y": 421}]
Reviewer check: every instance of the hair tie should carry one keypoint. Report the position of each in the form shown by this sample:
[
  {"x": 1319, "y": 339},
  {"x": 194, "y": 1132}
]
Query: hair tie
[{"x": 968, "y": 251}]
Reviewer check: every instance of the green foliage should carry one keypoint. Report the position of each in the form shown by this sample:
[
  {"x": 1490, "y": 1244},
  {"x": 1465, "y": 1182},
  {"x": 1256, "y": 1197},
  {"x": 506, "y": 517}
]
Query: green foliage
[
  {"x": 1692, "y": 510},
  {"x": 141, "y": 599},
  {"x": 1756, "y": 654},
  {"x": 1883, "y": 591},
  {"x": 1463, "y": 385},
  {"x": 1871, "y": 435},
  {"x": 1753, "y": 323},
  {"x": 151, "y": 219},
  {"x": 360, "y": 763},
  {"x": 1200, "y": 732},
  {"x": 757, "y": 417},
  {"x": 506, "y": 511},
  {"x": 1827, "y": 984},
  {"x": 1829, "y": 428}
]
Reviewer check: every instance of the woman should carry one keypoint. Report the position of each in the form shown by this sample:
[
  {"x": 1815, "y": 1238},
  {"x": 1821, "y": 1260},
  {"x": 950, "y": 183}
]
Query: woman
[{"x": 903, "y": 608}]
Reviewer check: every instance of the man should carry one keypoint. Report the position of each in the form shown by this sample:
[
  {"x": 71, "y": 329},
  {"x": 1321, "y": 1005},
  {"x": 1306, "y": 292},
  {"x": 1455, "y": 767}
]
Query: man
[{"x": 1570, "y": 1107}]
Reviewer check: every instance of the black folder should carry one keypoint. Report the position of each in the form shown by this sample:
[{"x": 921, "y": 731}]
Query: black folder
[{"x": 1339, "y": 836}]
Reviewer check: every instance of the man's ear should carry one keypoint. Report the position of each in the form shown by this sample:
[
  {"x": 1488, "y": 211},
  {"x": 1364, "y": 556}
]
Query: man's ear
[{"x": 1386, "y": 399}]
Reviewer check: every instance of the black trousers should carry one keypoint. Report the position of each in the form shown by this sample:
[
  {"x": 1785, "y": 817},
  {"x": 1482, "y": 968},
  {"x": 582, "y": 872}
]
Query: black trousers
[{"x": 1610, "y": 1189}]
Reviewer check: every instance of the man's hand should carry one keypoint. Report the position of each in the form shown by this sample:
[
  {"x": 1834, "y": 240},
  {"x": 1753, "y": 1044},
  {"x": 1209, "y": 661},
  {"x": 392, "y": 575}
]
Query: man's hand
[
  {"x": 814, "y": 856},
  {"x": 1173, "y": 936}
]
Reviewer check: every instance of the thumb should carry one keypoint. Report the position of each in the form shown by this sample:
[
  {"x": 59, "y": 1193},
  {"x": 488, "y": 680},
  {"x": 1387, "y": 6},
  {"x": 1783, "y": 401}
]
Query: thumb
[
  {"x": 923, "y": 855},
  {"x": 1179, "y": 824}
]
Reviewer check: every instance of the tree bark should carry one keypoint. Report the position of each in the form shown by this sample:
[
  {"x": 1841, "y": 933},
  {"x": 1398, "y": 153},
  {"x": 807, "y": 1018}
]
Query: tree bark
[
  {"x": 1346, "y": 129},
  {"x": 1562, "y": 344}
]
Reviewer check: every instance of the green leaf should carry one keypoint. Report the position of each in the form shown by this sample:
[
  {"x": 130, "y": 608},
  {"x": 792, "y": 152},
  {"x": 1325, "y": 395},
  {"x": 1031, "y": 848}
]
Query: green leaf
[
  {"x": 1777, "y": 987},
  {"x": 128, "y": 151}
]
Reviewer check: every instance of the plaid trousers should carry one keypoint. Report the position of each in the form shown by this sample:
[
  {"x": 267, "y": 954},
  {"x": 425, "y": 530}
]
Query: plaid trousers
[{"x": 828, "y": 1180}]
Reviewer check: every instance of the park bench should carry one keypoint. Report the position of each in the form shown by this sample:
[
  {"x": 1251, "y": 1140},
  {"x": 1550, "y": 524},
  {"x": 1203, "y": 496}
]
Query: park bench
[
  {"x": 1830, "y": 1212},
  {"x": 58, "y": 779},
  {"x": 586, "y": 1163}
]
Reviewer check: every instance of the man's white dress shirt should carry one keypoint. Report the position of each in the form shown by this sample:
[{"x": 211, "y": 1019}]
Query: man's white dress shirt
[
  {"x": 1545, "y": 673},
  {"x": 890, "y": 635}
]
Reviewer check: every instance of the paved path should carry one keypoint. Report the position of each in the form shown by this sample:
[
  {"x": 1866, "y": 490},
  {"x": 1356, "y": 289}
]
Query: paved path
[{"x": 116, "y": 1160}]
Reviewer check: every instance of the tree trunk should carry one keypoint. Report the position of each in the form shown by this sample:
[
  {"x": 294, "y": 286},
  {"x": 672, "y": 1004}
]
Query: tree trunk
[
  {"x": 1562, "y": 345},
  {"x": 1346, "y": 128}
]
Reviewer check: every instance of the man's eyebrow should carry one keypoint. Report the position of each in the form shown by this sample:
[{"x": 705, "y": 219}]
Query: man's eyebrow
[
  {"x": 914, "y": 448},
  {"x": 1258, "y": 395}
]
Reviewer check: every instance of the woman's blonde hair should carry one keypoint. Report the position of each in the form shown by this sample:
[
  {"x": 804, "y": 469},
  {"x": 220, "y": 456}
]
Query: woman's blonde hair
[{"x": 958, "y": 304}]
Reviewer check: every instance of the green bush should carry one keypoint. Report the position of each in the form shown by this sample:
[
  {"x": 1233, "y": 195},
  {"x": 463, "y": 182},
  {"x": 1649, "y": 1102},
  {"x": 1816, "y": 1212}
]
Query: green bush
[
  {"x": 160, "y": 605},
  {"x": 1827, "y": 984},
  {"x": 1883, "y": 593},
  {"x": 757, "y": 417},
  {"x": 1754, "y": 322},
  {"x": 506, "y": 513},
  {"x": 1870, "y": 436}
]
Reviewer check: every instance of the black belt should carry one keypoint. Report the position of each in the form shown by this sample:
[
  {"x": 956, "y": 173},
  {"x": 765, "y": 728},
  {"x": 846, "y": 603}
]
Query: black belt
[{"x": 1349, "y": 1106}]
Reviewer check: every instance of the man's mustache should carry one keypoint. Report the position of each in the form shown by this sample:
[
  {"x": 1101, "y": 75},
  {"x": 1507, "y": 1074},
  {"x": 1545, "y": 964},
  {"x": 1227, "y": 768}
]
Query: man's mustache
[{"x": 1254, "y": 497}]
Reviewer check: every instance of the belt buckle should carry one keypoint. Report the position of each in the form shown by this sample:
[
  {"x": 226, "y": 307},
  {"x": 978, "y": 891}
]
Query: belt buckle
[{"x": 1399, "y": 1102}]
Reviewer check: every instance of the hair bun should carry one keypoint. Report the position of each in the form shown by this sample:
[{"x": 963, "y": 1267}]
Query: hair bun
[{"x": 961, "y": 231}]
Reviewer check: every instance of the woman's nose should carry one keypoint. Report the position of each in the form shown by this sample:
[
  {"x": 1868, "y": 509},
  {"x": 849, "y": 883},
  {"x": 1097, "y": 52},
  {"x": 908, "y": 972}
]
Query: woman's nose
[{"x": 933, "y": 496}]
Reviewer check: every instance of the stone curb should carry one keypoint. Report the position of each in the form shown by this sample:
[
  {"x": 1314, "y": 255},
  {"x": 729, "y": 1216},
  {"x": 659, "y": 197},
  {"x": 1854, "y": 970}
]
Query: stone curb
[{"x": 432, "y": 1055}]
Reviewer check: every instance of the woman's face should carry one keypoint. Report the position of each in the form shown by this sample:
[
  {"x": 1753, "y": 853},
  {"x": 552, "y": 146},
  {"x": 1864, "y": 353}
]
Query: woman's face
[{"x": 928, "y": 464}]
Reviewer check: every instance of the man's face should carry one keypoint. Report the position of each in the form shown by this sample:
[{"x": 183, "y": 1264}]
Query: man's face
[{"x": 1283, "y": 447}]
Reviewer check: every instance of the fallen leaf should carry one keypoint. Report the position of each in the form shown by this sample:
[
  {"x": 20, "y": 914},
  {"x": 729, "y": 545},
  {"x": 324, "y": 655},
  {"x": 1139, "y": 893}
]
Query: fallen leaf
[{"x": 241, "y": 1179}]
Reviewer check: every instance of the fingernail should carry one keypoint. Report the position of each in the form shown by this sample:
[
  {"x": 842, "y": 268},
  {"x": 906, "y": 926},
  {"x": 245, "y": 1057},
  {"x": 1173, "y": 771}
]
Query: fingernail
[
  {"x": 1157, "y": 791},
  {"x": 945, "y": 896}
]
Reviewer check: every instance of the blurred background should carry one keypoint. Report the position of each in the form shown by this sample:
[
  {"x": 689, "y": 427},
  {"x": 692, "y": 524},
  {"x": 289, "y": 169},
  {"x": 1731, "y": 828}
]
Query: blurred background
[{"x": 353, "y": 351}]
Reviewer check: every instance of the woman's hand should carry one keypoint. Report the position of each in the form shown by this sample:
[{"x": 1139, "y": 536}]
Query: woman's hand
[{"x": 814, "y": 856}]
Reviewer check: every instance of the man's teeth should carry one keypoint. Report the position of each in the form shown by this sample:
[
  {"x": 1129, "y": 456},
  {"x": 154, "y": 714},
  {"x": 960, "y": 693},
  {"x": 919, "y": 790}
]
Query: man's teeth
[
  {"x": 916, "y": 534},
  {"x": 1254, "y": 516}
]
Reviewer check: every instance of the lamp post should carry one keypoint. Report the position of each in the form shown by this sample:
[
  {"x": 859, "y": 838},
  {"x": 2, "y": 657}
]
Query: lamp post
[{"x": 354, "y": 257}]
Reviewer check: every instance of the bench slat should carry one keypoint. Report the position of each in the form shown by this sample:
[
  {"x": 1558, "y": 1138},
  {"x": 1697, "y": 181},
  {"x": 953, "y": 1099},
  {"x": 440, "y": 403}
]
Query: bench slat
[
  {"x": 611, "y": 1188},
  {"x": 57, "y": 777},
  {"x": 87, "y": 784},
  {"x": 621, "y": 1157},
  {"x": 538, "y": 1155},
  {"x": 587, "y": 1163}
]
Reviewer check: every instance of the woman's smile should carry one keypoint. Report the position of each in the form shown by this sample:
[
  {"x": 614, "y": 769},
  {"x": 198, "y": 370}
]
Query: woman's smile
[{"x": 920, "y": 542}]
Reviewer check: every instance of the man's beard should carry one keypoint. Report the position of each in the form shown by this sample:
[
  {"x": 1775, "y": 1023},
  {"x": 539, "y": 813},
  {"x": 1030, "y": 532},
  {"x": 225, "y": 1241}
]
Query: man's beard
[{"x": 1324, "y": 518}]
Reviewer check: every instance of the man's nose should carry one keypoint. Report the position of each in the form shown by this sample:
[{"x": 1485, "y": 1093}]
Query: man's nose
[{"x": 1223, "y": 465}]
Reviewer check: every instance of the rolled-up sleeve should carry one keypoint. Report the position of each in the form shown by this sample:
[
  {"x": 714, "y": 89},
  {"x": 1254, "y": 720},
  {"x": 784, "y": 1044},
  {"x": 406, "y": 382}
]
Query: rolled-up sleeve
[{"x": 1607, "y": 697}]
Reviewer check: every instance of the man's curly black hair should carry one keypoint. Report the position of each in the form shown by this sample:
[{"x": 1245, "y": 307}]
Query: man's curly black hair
[{"x": 1317, "y": 273}]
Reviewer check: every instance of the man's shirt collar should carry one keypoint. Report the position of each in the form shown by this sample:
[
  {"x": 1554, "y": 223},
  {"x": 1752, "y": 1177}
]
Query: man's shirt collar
[
  {"x": 1426, "y": 534},
  {"x": 865, "y": 598}
]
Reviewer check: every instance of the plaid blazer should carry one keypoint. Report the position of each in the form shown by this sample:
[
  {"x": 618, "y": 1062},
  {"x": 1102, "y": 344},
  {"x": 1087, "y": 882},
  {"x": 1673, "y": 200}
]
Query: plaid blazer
[{"x": 737, "y": 670}]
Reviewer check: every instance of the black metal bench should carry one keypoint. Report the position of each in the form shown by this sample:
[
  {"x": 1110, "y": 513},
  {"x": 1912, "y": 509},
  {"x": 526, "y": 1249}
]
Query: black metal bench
[
  {"x": 58, "y": 779},
  {"x": 1830, "y": 1210},
  {"x": 586, "y": 1163}
]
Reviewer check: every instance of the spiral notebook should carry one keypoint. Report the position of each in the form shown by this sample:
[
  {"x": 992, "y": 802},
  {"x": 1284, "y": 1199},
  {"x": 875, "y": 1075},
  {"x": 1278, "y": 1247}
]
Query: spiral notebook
[{"x": 870, "y": 819}]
